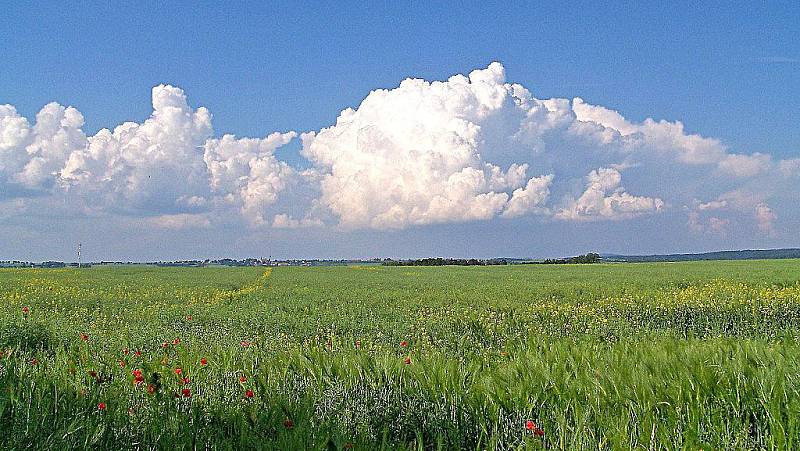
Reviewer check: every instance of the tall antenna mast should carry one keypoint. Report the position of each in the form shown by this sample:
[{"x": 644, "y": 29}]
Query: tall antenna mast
[{"x": 79, "y": 255}]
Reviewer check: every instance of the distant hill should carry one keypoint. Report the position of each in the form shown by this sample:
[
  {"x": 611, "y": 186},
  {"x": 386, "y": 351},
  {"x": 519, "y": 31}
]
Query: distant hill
[{"x": 749, "y": 254}]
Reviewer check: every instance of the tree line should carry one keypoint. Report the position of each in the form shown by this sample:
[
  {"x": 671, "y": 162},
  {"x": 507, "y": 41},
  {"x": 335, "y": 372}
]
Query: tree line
[{"x": 591, "y": 257}]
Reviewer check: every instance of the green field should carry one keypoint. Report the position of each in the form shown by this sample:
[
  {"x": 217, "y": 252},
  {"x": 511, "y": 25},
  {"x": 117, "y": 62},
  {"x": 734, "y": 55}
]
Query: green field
[{"x": 609, "y": 356}]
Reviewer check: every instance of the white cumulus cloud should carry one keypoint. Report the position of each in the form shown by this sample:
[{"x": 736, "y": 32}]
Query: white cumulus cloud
[
  {"x": 469, "y": 148},
  {"x": 244, "y": 172},
  {"x": 148, "y": 166},
  {"x": 422, "y": 153},
  {"x": 765, "y": 218},
  {"x": 604, "y": 198},
  {"x": 530, "y": 198},
  {"x": 32, "y": 157}
]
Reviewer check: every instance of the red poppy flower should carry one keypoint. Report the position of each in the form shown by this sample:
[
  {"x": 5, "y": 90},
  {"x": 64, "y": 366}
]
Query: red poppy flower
[
  {"x": 186, "y": 393},
  {"x": 288, "y": 424},
  {"x": 203, "y": 361},
  {"x": 176, "y": 341},
  {"x": 530, "y": 425},
  {"x": 122, "y": 363},
  {"x": 125, "y": 351},
  {"x": 84, "y": 337},
  {"x": 34, "y": 362},
  {"x": 242, "y": 379},
  {"x": 538, "y": 432},
  {"x": 165, "y": 345},
  {"x": 185, "y": 380},
  {"x": 101, "y": 406},
  {"x": 93, "y": 374},
  {"x": 151, "y": 388},
  {"x": 358, "y": 343},
  {"x": 25, "y": 310},
  {"x": 408, "y": 361},
  {"x": 178, "y": 371},
  {"x": 137, "y": 377},
  {"x": 404, "y": 344},
  {"x": 248, "y": 394},
  {"x": 138, "y": 353},
  {"x": 189, "y": 318}
]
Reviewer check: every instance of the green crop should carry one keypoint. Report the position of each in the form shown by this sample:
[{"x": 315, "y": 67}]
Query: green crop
[{"x": 609, "y": 356}]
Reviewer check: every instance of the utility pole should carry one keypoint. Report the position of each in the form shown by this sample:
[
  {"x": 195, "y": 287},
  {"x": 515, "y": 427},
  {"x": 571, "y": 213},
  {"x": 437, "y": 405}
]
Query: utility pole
[{"x": 79, "y": 255}]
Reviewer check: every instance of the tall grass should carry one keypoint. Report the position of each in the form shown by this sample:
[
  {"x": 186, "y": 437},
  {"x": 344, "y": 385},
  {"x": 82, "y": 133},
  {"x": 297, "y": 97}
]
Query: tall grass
[{"x": 662, "y": 356}]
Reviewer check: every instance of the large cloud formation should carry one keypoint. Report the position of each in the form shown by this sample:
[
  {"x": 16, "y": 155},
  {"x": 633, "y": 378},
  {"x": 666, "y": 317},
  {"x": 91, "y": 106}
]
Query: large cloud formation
[
  {"x": 421, "y": 154},
  {"x": 466, "y": 149},
  {"x": 152, "y": 166}
]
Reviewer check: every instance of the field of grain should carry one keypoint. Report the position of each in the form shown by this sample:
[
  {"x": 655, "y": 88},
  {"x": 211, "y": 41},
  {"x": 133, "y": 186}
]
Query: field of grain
[{"x": 608, "y": 356}]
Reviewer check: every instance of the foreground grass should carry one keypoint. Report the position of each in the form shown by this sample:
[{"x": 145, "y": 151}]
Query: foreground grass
[{"x": 669, "y": 356}]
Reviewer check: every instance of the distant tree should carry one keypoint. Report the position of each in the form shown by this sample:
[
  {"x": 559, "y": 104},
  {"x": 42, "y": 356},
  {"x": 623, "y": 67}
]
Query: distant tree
[{"x": 591, "y": 257}]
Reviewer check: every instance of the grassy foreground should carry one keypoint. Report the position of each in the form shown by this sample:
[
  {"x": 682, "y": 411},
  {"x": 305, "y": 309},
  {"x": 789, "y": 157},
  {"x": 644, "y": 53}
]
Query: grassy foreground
[{"x": 650, "y": 356}]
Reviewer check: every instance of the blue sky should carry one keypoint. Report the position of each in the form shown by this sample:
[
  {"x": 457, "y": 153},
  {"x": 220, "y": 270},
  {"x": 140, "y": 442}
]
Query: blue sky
[{"x": 727, "y": 73}]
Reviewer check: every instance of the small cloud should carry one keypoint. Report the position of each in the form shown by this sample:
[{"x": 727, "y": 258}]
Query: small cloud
[
  {"x": 765, "y": 218},
  {"x": 712, "y": 226},
  {"x": 713, "y": 205},
  {"x": 718, "y": 225},
  {"x": 530, "y": 198},
  {"x": 604, "y": 198},
  {"x": 180, "y": 221},
  {"x": 284, "y": 221}
]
